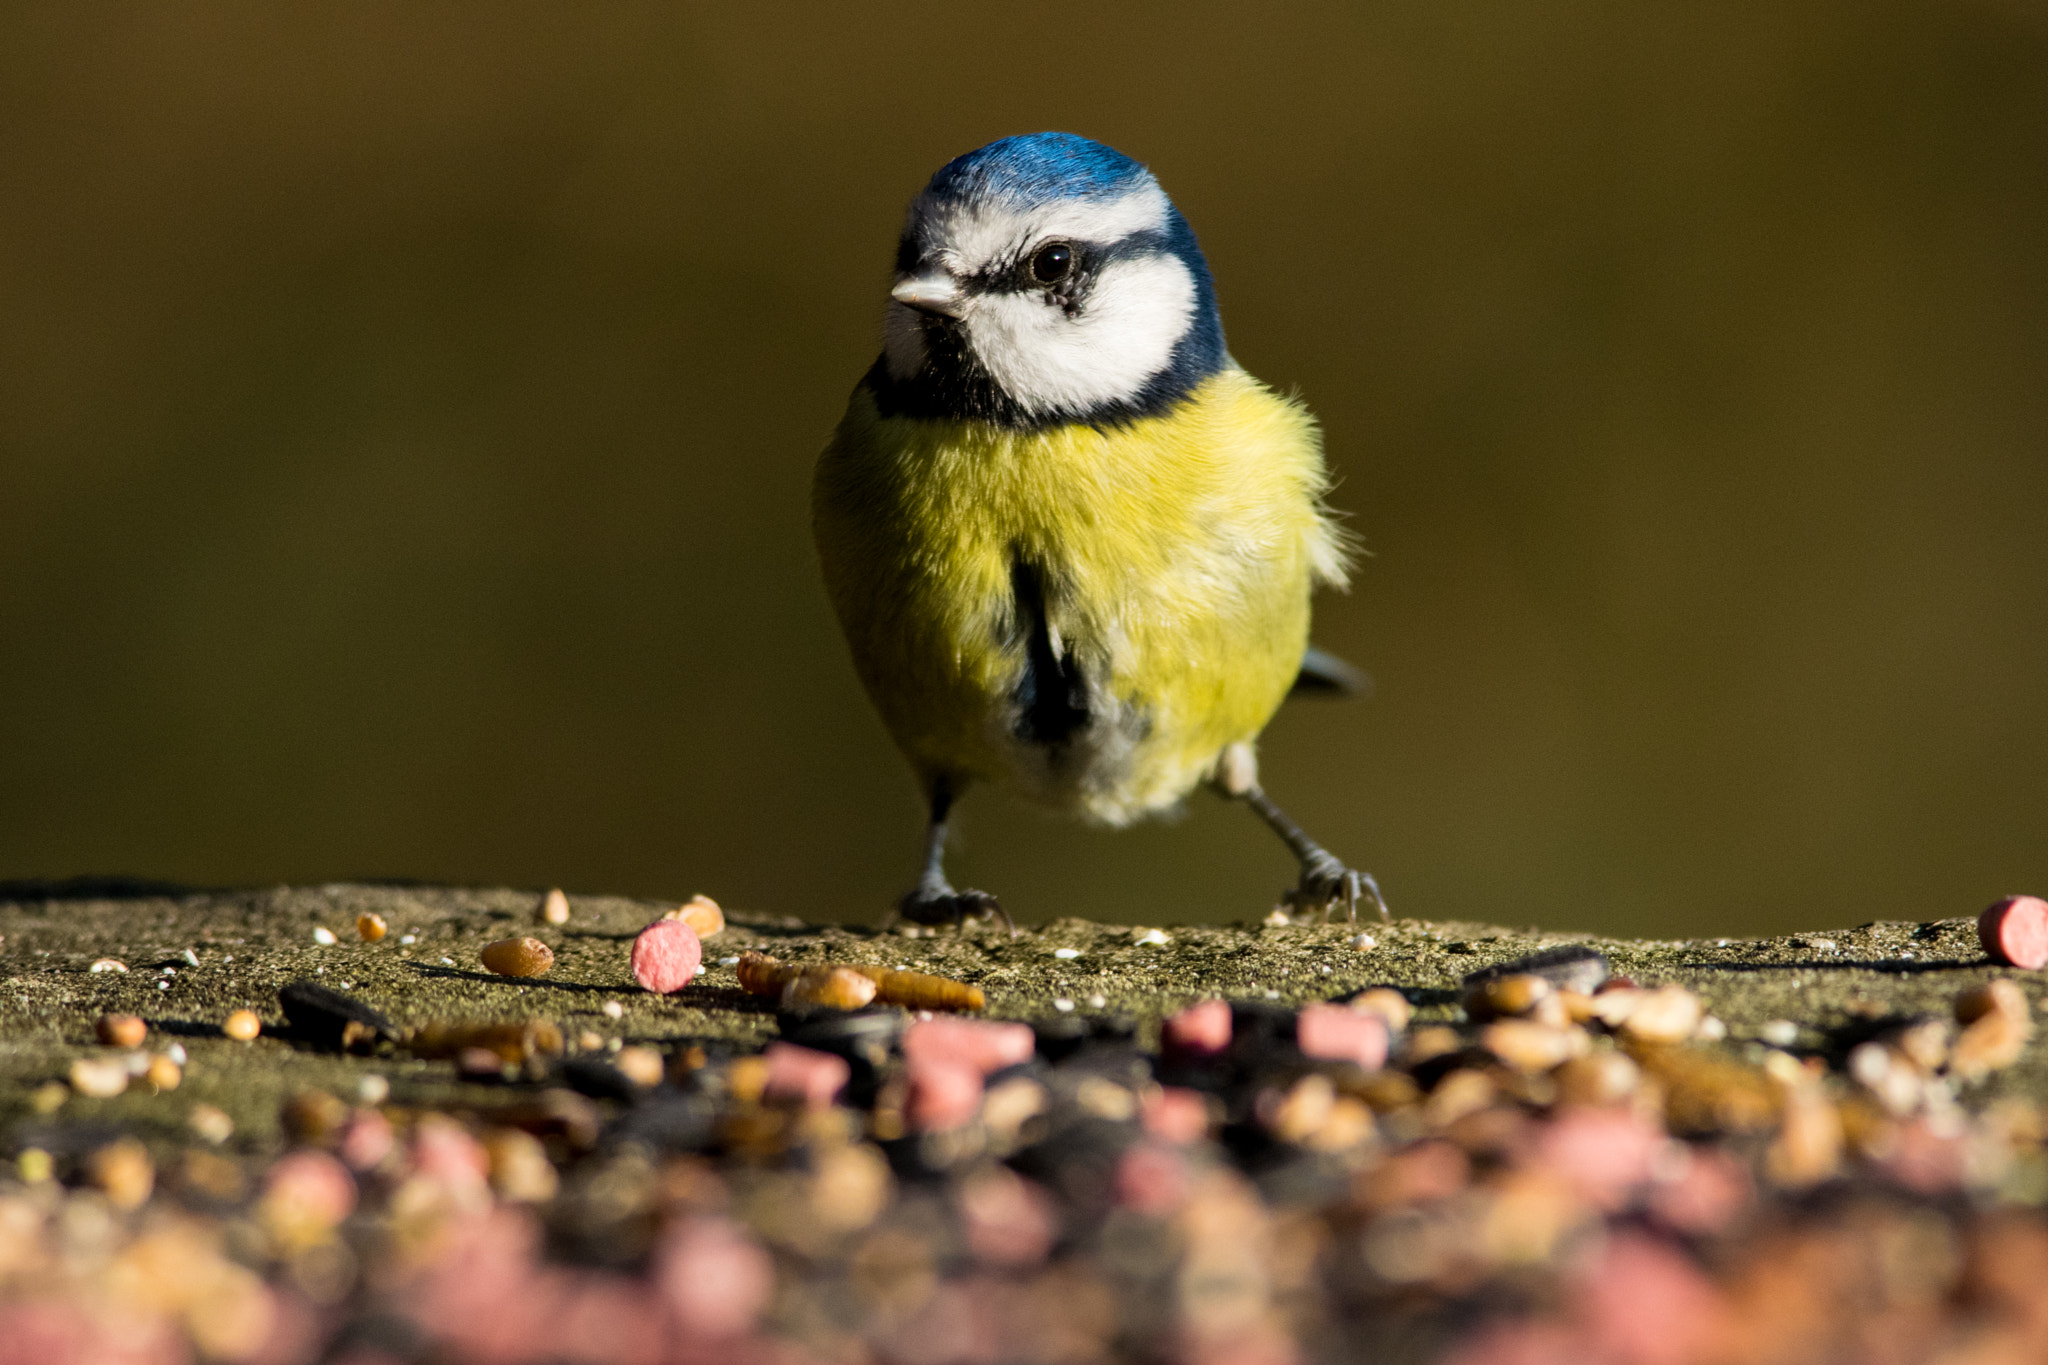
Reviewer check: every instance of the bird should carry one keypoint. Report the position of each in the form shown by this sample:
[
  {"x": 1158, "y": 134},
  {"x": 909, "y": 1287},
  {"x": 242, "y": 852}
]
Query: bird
[{"x": 1070, "y": 542}]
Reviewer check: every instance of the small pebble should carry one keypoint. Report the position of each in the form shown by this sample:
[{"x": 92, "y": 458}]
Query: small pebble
[
  {"x": 1200, "y": 1030},
  {"x": 1063, "y": 1005},
  {"x": 1339, "y": 1034},
  {"x": 1364, "y": 941},
  {"x": 108, "y": 964},
  {"x": 120, "y": 1030},
  {"x": 163, "y": 1073},
  {"x": 1668, "y": 1014},
  {"x": 1528, "y": 1045},
  {"x": 850, "y": 1187},
  {"x": 99, "y": 1078},
  {"x": 665, "y": 956},
  {"x": 373, "y": 1089},
  {"x": 123, "y": 1172},
  {"x": 1010, "y": 1105},
  {"x": 191, "y": 958},
  {"x": 370, "y": 928},
  {"x": 520, "y": 1170},
  {"x": 983, "y": 1045},
  {"x": 1296, "y": 1114},
  {"x": 553, "y": 908},
  {"x": 324, "y": 936},
  {"x": 1597, "y": 1079},
  {"x": 313, "y": 1116},
  {"x": 1151, "y": 938},
  {"x": 1504, "y": 997},
  {"x": 1996, "y": 1025},
  {"x": 1066, "y": 953},
  {"x": 614, "y": 1010},
  {"x": 1151, "y": 1180},
  {"x": 518, "y": 957},
  {"x": 366, "y": 1139},
  {"x": 306, "y": 1194},
  {"x": 2014, "y": 932},
  {"x": 941, "y": 1095},
  {"x": 804, "y": 1075},
  {"x": 1389, "y": 1004},
  {"x": 1176, "y": 1115},
  {"x": 1779, "y": 1033},
  {"x": 210, "y": 1124},
  {"x": 402, "y": 938},
  {"x": 242, "y": 1025},
  {"x": 641, "y": 1065}
]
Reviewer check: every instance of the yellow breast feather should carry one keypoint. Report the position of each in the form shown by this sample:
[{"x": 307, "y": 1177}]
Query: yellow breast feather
[{"x": 1165, "y": 565}]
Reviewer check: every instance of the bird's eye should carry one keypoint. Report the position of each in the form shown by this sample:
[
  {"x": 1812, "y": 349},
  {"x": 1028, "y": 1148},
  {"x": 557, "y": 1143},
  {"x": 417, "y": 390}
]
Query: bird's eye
[{"x": 1052, "y": 263}]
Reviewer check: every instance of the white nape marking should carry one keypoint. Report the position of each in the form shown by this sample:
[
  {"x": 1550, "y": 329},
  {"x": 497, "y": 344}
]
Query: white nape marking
[{"x": 1125, "y": 332}]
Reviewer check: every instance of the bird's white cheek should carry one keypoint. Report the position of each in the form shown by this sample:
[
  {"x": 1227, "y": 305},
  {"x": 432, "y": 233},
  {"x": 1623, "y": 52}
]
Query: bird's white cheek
[
  {"x": 1125, "y": 334},
  {"x": 902, "y": 342}
]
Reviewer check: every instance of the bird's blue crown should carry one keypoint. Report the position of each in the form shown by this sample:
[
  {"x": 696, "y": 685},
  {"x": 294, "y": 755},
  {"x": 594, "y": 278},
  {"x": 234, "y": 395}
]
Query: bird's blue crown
[{"x": 1035, "y": 167}]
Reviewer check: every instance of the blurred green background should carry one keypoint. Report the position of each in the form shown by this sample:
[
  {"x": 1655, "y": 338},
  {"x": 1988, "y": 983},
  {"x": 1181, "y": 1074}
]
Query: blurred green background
[{"x": 407, "y": 412}]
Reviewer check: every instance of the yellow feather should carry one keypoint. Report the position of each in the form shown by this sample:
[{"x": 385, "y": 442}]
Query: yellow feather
[{"x": 1178, "y": 553}]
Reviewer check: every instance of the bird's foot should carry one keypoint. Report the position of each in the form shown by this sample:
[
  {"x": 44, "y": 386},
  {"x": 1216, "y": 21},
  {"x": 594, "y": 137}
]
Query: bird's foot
[
  {"x": 1326, "y": 883},
  {"x": 941, "y": 904}
]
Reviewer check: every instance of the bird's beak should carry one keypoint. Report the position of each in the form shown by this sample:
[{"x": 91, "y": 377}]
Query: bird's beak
[{"x": 933, "y": 291}]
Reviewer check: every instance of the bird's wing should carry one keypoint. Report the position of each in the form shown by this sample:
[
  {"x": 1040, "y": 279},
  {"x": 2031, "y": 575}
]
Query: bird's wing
[{"x": 1323, "y": 674}]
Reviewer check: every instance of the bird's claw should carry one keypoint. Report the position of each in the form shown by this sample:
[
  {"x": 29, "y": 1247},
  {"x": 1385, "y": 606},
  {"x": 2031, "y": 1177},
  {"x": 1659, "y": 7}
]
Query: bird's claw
[
  {"x": 1326, "y": 883},
  {"x": 944, "y": 905}
]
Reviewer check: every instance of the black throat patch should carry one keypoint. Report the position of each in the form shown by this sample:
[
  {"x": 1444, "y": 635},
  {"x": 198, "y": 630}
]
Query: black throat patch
[{"x": 1051, "y": 697}]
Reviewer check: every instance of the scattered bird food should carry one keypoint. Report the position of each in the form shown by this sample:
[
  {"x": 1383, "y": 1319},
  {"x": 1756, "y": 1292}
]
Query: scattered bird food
[
  {"x": 702, "y": 914},
  {"x": 666, "y": 955},
  {"x": 120, "y": 1030},
  {"x": 761, "y": 974},
  {"x": 2014, "y": 932},
  {"x": 518, "y": 957}
]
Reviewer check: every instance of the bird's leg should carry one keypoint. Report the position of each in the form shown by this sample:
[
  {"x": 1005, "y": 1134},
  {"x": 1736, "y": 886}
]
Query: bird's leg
[
  {"x": 1325, "y": 881},
  {"x": 933, "y": 900}
]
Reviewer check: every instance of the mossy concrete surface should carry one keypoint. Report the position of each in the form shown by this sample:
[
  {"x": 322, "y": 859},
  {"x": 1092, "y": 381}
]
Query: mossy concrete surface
[{"x": 192, "y": 957}]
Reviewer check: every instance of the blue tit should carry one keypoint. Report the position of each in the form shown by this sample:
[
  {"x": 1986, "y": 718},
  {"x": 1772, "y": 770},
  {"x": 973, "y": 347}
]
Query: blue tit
[{"x": 1070, "y": 542}]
